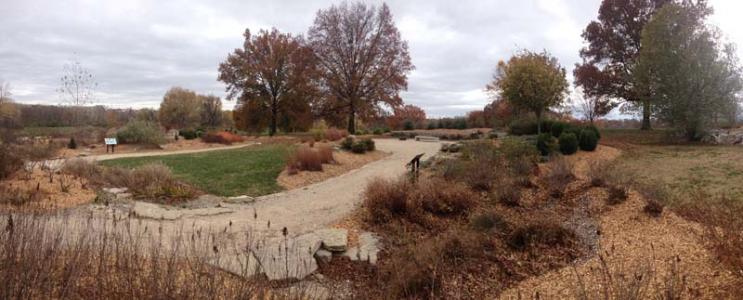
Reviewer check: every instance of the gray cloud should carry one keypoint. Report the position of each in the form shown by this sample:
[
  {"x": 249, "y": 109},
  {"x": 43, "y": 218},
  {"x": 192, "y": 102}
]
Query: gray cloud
[{"x": 138, "y": 49}]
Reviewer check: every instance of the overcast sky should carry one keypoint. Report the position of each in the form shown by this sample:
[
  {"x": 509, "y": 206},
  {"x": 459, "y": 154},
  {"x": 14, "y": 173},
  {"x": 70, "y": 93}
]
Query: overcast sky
[{"x": 137, "y": 49}]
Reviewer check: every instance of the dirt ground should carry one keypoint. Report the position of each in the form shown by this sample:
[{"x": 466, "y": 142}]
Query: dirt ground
[
  {"x": 634, "y": 250},
  {"x": 51, "y": 195},
  {"x": 345, "y": 162}
]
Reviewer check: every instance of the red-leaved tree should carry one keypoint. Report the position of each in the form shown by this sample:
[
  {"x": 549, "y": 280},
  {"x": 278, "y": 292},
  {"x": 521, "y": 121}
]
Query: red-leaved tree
[{"x": 613, "y": 49}]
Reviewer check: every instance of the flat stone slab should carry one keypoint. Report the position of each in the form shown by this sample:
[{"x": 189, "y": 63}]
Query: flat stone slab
[
  {"x": 239, "y": 200},
  {"x": 425, "y": 138},
  {"x": 148, "y": 210},
  {"x": 290, "y": 259},
  {"x": 333, "y": 239},
  {"x": 115, "y": 190}
]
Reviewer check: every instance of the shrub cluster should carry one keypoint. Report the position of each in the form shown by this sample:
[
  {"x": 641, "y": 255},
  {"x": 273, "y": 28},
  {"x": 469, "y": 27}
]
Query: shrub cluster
[
  {"x": 358, "y": 146},
  {"x": 222, "y": 137},
  {"x": 140, "y": 132},
  {"x": 190, "y": 134},
  {"x": 386, "y": 200},
  {"x": 528, "y": 126}
]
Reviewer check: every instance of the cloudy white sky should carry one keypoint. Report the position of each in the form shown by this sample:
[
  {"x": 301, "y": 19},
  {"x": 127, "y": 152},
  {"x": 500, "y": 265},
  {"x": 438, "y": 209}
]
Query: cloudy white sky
[{"x": 137, "y": 49}]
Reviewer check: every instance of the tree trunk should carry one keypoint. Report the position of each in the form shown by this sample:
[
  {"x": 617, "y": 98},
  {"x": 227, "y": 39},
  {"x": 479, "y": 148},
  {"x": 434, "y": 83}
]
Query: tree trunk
[
  {"x": 539, "y": 122},
  {"x": 274, "y": 113},
  {"x": 352, "y": 118},
  {"x": 645, "y": 115}
]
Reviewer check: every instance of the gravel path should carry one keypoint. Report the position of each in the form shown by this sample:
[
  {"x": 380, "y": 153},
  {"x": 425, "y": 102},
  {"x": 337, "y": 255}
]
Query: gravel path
[
  {"x": 318, "y": 205},
  {"x": 304, "y": 209}
]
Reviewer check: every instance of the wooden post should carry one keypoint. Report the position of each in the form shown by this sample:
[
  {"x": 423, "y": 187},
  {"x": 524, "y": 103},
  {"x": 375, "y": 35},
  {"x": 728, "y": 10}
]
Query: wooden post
[{"x": 415, "y": 165}]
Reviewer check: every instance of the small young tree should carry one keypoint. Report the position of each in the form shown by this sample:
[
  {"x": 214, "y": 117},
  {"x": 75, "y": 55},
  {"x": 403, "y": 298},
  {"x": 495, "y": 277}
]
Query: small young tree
[
  {"x": 77, "y": 84},
  {"x": 181, "y": 108},
  {"x": 690, "y": 74},
  {"x": 531, "y": 81},
  {"x": 594, "y": 107}
]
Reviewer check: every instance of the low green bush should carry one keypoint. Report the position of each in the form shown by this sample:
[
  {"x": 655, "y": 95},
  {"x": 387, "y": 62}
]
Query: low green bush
[
  {"x": 595, "y": 130},
  {"x": 588, "y": 140},
  {"x": 347, "y": 143},
  {"x": 358, "y": 147},
  {"x": 188, "y": 134},
  {"x": 568, "y": 143},
  {"x": 528, "y": 126},
  {"x": 546, "y": 144},
  {"x": 369, "y": 144},
  {"x": 140, "y": 132}
]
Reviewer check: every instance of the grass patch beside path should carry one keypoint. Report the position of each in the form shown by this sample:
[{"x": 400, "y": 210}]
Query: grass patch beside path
[
  {"x": 245, "y": 171},
  {"x": 680, "y": 171}
]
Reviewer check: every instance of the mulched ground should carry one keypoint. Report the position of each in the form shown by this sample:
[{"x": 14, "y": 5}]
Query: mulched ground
[{"x": 621, "y": 245}]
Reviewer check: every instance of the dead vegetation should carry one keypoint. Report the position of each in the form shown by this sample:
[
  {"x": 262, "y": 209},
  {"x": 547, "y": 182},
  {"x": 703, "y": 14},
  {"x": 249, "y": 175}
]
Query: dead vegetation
[{"x": 42, "y": 258}]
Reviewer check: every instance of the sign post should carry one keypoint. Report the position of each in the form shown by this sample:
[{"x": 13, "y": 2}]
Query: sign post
[{"x": 110, "y": 142}]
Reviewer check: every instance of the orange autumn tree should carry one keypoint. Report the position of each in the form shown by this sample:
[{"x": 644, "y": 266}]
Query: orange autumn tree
[{"x": 271, "y": 78}]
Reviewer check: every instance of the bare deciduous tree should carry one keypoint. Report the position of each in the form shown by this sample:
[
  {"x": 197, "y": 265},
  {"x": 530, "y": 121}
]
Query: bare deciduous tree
[
  {"x": 594, "y": 107},
  {"x": 77, "y": 84},
  {"x": 211, "y": 111},
  {"x": 363, "y": 60},
  {"x": 4, "y": 91}
]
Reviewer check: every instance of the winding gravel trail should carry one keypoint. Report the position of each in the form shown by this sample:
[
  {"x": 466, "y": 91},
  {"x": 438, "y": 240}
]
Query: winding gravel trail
[{"x": 318, "y": 205}]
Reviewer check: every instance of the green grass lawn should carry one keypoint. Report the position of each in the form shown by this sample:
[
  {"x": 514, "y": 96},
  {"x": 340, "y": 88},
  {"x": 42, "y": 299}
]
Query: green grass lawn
[
  {"x": 678, "y": 171},
  {"x": 246, "y": 171}
]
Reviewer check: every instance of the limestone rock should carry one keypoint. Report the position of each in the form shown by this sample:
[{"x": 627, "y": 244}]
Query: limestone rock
[
  {"x": 115, "y": 190},
  {"x": 333, "y": 239},
  {"x": 324, "y": 255},
  {"x": 290, "y": 259},
  {"x": 239, "y": 200},
  {"x": 159, "y": 212},
  {"x": 368, "y": 249}
]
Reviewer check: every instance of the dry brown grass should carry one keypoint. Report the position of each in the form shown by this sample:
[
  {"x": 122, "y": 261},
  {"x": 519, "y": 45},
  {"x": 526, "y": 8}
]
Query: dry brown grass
[
  {"x": 386, "y": 200},
  {"x": 326, "y": 154},
  {"x": 151, "y": 182},
  {"x": 334, "y": 134},
  {"x": 559, "y": 175},
  {"x": 305, "y": 159},
  {"x": 53, "y": 257}
]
